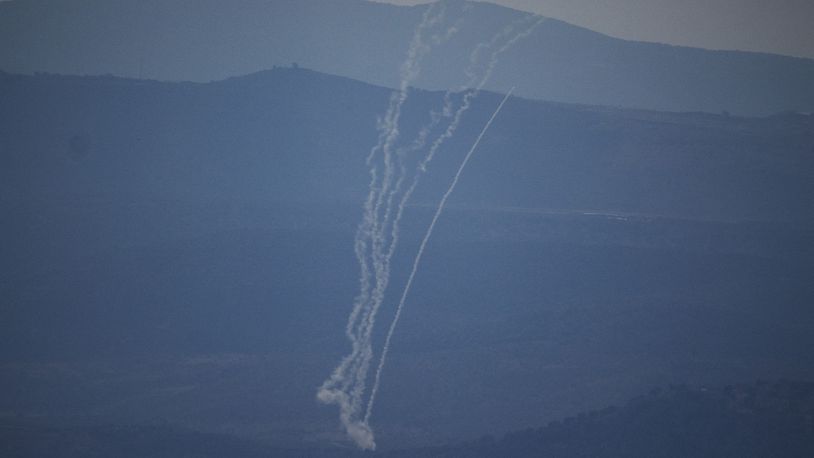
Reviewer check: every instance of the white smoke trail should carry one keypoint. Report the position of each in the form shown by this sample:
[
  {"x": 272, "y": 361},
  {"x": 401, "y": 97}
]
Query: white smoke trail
[
  {"x": 352, "y": 370},
  {"x": 448, "y": 133},
  {"x": 346, "y": 385},
  {"x": 456, "y": 117},
  {"x": 466, "y": 103},
  {"x": 420, "y": 253},
  {"x": 381, "y": 251},
  {"x": 381, "y": 213}
]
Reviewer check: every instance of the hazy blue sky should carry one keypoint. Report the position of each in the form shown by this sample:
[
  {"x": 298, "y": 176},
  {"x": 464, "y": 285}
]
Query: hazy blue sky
[{"x": 778, "y": 26}]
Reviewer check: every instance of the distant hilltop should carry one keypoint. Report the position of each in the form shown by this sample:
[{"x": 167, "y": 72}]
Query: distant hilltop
[{"x": 167, "y": 40}]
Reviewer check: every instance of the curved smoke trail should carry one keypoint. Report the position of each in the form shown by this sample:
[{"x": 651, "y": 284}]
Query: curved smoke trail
[
  {"x": 451, "y": 128},
  {"x": 420, "y": 253},
  {"x": 346, "y": 384}
]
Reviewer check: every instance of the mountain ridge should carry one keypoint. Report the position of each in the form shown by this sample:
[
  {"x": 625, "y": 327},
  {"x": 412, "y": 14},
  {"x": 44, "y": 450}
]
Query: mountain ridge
[
  {"x": 367, "y": 41},
  {"x": 183, "y": 252},
  {"x": 553, "y": 138}
]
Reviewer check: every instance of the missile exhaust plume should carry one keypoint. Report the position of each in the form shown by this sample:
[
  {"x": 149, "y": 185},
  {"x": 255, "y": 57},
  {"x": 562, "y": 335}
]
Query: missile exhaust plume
[
  {"x": 470, "y": 93},
  {"x": 438, "y": 142},
  {"x": 420, "y": 253},
  {"x": 377, "y": 235},
  {"x": 346, "y": 384},
  {"x": 450, "y": 130}
]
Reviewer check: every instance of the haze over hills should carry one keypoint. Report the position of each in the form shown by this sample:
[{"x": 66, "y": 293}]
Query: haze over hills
[
  {"x": 281, "y": 136},
  {"x": 755, "y": 420},
  {"x": 181, "y": 254},
  {"x": 211, "y": 40}
]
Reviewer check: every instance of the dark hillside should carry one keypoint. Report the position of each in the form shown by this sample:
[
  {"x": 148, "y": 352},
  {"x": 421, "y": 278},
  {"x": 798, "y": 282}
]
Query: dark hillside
[
  {"x": 181, "y": 254},
  {"x": 759, "y": 420}
]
